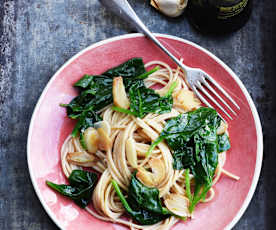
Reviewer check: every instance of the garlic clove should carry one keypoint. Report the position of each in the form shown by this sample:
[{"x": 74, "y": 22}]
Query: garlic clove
[
  {"x": 186, "y": 100},
  {"x": 104, "y": 142},
  {"x": 120, "y": 98},
  {"x": 154, "y": 178},
  {"x": 103, "y": 124},
  {"x": 171, "y": 8},
  {"x": 145, "y": 177},
  {"x": 177, "y": 204},
  {"x": 81, "y": 159},
  {"x": 131, "y": 153},
  {"x": 91, "y": 139},
  {"x": 158, "y": 169}
]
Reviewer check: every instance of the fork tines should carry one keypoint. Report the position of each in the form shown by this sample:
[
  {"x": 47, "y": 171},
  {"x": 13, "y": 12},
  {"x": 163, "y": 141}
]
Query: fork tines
[{"x": 200, "y": 86}]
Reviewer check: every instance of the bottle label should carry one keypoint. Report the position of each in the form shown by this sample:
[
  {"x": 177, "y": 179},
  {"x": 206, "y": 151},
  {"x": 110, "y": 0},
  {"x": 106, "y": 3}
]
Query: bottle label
[{"x": 230, "y": 11}]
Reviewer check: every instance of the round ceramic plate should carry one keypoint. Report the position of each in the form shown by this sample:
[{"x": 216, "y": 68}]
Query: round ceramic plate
[{"x": 49, "y": 127}]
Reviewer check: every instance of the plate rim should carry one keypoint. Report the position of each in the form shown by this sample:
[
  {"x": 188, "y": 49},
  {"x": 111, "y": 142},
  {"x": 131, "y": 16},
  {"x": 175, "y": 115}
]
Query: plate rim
[{"x": 255, "y": 114}]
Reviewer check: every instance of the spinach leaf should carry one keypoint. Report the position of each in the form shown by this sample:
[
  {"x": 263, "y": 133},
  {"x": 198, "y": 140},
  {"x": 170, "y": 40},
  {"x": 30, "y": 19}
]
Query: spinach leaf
[
  {"x": 145, "y": 197},
  {"x": 193, "y": 139},
  {"x": 183, "y": 158},
  {"x": 84, "y": 82},
  {"x": 81, "y": 187},
  {"x": 188, "y": 185},
  {"x": 95, "y": 92},
  {"x": 206, "y": 163},
  {"x": 86, "y": 120},
  {"x": 129, "y": 69},
  {"x": 144, "y": 100},
  {"x": 223, "y": 143},
  {"x": 143, "y": 216},
  {"x": 143, "y": 203},
  {"x": 180, "y": 130}
]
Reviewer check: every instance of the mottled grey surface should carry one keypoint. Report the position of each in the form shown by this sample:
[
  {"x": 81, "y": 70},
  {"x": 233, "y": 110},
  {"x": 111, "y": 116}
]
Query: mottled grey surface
[{"x": 38, "y": 36}]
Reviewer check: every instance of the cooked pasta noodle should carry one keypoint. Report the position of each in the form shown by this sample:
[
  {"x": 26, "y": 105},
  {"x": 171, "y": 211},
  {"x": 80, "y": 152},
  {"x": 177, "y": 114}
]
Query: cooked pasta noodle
[{"x": 114, "y": 163}]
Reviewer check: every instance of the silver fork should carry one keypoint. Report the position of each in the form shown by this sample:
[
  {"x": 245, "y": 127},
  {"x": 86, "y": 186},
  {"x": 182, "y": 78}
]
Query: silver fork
[{"x": 196, "y": 78}]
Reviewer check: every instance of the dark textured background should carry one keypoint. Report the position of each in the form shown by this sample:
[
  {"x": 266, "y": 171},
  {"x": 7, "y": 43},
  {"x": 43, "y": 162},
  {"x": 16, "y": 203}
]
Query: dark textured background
[{"x": 38, "y": 36}]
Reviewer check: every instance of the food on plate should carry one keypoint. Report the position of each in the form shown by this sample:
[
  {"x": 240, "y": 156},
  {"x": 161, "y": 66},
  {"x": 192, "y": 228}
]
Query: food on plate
[{"x": 143, "y": 146}]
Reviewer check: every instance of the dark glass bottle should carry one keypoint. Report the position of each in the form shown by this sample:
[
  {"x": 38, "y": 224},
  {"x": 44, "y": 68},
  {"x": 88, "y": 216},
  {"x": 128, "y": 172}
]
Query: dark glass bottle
[{"x": 219, "y": 16}]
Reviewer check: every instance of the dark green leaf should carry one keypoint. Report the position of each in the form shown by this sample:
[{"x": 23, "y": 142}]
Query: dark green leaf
[
  {"x": 81, "y": 187},
  {"x": 144, "y": 100},
  {"x": 145, "y": 197},
  {"x": 84, "y": 82},
  {"x": 183, "y": 158},
  {"x": 96, "y": 92},
  {"x": 206, "y": 163},
  {"x": 145, "y": 217},
  {"x": 81, "y": 178},
  {"x": 143, "y": 204},
  {"x": 129, "y": 69},
  {"x": 86, "y": 120},
  {"x": 193, "y": 139}
]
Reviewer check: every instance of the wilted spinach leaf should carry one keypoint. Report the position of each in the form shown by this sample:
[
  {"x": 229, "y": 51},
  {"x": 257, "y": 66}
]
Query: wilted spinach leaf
[
  {"x": 144, "y": 100},
  {"x": 143, "y": 203},
  {"x": 180, "y": 130},
  {"x": 146, "y": 197},
  {"x": 86, "y": 120},
  {"x": 95, "y": 92},
  {"x": 81, "y": 187},
  {"x": 183, "y": 158},
  {"x": 193, "y": 139},
  {"x": 132, "y": 68}
]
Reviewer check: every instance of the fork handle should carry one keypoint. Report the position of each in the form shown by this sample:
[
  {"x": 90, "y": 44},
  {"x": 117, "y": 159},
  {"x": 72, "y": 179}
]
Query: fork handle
[{"x": 125, "y": 11}]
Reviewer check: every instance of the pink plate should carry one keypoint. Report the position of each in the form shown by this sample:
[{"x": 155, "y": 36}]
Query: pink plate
[{"x": 49, "y": 127}]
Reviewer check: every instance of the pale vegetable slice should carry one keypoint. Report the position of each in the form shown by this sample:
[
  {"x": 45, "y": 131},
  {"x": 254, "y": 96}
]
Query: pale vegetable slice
[
  {"x": 154, "y": 178},
  {"x": 186, "y": 100},
  {"x": 131, "y": 153},
  {"x": 171, "y": 8},
  {"x": 91, "y": 138},
  {"x": 177, "y": 204},
  {"x": 104, "y": 142},
  {"x": 145, "y": 177},
  {"x": 158, "y": 169},
  {"x": 141, "y": 149},
  {"x": 103, "y": 124},
  {"x": 81, "y": 159},
  {"x": 222, "y": 128},
  {"x": 120, "y": 98}
]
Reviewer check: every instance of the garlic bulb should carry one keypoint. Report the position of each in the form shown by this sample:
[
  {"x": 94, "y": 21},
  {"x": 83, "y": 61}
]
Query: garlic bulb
[{"x": 171, "y": 8}]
